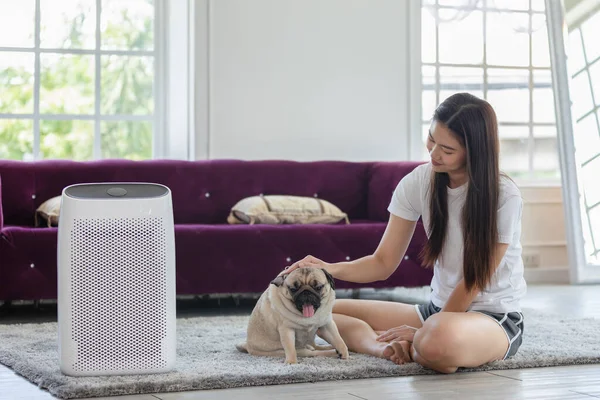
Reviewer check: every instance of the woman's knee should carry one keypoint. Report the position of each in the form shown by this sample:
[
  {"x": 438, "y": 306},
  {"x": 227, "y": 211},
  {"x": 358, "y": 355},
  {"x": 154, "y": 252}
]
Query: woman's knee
[{"x": 437, "y": 338}]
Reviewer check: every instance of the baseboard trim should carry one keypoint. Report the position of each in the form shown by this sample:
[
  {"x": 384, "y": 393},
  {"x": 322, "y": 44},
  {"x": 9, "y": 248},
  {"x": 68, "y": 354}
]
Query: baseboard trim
[{"x": 547, "y": 275}]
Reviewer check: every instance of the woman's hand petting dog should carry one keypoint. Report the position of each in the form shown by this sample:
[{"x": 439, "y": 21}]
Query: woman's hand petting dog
[
  {"x": 308, "y": 261},
  {"x": 397, "y": 334}
]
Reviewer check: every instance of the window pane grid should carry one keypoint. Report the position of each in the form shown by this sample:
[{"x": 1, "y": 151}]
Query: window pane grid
[
  {"x": 482, "y": 65},
  {"x": 537, "y": 118},
  {"x": 36, "y": 87},
  {"x": 83, "y": 117},
  {"x": 531, "y": 86},
  {"x": 586, "y": 99},
  {"x": 587, "y": 66},
  {"x": 41, "y": 116},
  {"x": 483, "y": 8},
  {"x": 97, "y": 149},
  {"x": 79, "y": 51}
]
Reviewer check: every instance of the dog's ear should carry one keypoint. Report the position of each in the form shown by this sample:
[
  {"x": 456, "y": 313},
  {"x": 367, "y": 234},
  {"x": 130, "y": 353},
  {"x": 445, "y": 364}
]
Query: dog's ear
[
  {"x": 329, "y": 278},
  {"x": 279, "y": 280}
]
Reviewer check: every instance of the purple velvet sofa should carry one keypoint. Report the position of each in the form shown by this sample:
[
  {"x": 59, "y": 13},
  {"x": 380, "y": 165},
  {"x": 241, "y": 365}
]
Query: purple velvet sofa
[{"x": 211, "y": 256}]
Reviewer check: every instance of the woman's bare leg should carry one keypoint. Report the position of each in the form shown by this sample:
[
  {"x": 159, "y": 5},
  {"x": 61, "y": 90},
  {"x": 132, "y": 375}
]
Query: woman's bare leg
[
  {"x": 448, "y": 341},
  {"x": 379, "y": 315},
  {"x": 359, "y": 336},
  {"x": 361, "y": 321}
]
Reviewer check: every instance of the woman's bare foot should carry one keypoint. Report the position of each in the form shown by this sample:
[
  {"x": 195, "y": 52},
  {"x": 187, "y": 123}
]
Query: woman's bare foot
[{"x": 398, "y": 352}]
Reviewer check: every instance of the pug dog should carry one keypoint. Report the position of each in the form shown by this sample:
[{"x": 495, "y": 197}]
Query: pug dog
[{"x": 288, "y": 315}]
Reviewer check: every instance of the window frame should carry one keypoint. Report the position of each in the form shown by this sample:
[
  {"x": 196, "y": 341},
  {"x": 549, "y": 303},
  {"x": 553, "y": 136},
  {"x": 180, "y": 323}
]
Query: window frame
[
  {"x": 417, "y": 143},
  {"x": 157, "y": 118},
  {"x": 577, "y": 212}
]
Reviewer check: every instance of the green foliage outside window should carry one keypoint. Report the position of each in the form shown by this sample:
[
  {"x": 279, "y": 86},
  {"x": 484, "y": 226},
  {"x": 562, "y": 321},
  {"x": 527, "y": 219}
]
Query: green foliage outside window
[{"x": 67, "y": 87}]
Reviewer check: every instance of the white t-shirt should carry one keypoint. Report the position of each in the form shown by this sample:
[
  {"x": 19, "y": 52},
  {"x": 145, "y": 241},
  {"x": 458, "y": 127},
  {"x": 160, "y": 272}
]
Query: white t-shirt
[{"x": 507, "y": 286}]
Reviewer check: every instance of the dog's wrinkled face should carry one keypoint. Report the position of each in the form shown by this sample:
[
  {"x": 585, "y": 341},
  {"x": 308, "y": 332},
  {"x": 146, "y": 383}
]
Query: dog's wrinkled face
[{"x": 306, "y": 288}]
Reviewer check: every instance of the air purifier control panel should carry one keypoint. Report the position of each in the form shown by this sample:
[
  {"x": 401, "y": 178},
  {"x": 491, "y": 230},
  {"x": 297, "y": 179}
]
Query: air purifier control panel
[{"x": 116, "y": 190}]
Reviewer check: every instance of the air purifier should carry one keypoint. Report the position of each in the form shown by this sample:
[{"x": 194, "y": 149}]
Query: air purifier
[{"x": 116, "y": 279}]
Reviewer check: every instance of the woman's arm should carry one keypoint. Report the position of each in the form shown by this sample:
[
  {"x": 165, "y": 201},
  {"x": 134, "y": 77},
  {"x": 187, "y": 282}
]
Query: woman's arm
[
  {"x": 376, "y": 267},
  {"x": 460, "y": 299}
]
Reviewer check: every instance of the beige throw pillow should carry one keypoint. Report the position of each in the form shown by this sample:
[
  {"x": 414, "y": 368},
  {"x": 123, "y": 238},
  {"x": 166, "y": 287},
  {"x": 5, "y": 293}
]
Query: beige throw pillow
[
  {"x": 278, "y": 209},
  {"x": 48, "y": 211}
]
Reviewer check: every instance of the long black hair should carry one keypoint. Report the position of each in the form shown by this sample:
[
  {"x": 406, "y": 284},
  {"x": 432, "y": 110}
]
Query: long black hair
[{"x": 473, "y": 121}]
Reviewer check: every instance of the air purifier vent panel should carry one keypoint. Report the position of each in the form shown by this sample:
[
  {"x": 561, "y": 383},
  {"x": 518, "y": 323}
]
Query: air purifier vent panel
[{"x": 118, "y": 273}]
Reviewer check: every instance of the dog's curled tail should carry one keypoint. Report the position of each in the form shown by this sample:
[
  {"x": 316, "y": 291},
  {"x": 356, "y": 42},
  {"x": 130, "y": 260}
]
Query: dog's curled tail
[{"x": 242, "y": 347}]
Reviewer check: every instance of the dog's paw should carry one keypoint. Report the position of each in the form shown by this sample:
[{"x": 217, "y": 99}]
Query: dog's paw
[
  {"x": 291, "y": 361},
  {"x": 344, "y": 355}
]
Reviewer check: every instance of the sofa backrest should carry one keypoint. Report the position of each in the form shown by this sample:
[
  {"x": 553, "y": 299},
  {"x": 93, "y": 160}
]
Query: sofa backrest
[
  {"x": 383, "y": 179},
  {"x": 202, "y": 191}
]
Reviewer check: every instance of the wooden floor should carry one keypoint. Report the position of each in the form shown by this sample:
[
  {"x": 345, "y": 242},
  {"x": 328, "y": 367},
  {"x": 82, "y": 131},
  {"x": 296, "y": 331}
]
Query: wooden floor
[{"x": 572, "y": 382}]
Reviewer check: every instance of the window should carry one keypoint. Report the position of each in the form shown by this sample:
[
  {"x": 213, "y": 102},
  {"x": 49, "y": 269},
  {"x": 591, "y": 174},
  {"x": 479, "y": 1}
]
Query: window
[
  {"x": 497, "y": 50},
  {"x": 583, "y": 64},
  {"x": 78, "y": 79}
]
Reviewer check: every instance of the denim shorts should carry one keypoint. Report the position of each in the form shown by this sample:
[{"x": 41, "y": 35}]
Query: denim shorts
[{"x": 512, "y": 324}]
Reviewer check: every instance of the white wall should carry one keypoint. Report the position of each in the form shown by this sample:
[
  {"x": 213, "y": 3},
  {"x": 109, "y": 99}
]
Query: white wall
[{"x": 303, "y": 80}]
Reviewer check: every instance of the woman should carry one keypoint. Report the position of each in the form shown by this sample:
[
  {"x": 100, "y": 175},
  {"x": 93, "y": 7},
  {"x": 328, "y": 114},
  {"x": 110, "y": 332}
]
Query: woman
[{"x": 472, "y": 216}]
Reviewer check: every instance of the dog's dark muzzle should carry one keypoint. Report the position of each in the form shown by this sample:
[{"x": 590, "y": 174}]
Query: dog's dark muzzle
[{"x": 307, "y": 295}]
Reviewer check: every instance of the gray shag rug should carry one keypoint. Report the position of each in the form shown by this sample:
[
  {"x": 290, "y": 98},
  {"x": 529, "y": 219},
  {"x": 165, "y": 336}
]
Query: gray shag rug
[{"x": 207, "y": 358}]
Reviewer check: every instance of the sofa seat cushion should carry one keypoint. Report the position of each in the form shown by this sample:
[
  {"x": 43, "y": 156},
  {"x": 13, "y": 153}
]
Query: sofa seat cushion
[{"x": 214, "y": 258}]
